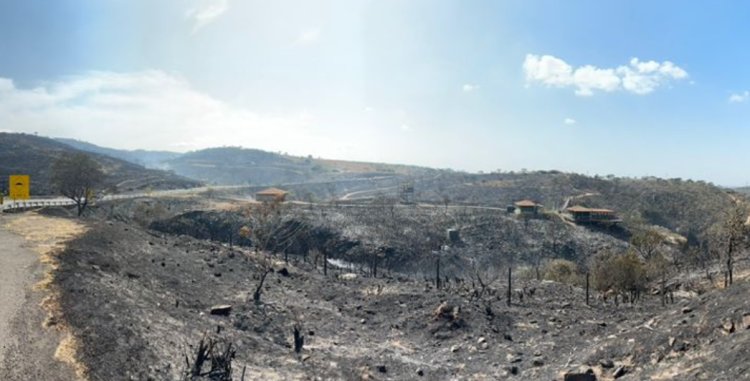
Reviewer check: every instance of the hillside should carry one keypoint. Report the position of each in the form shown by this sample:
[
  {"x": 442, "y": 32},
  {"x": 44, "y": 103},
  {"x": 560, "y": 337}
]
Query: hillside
[
  {"x": 148, "y": 159},
  {"x": 685, "y": 206},
  {"x": 34, "y": 155},
  {"x": 161, "y": 288},
  {"x": 235, "y": 166}
]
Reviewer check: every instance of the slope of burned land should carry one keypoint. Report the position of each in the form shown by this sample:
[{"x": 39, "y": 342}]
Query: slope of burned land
[
  {"x": 137, "y": 300},
  {"x": 405, "y": 238},
  {"x": 687, "y": 207},
  {"x": 34, "y": 156}
]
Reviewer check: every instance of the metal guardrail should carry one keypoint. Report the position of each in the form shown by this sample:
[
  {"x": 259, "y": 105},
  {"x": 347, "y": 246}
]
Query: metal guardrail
[
  {"x": 42, "y": 202},
  {"x": 47, "y": 201}
]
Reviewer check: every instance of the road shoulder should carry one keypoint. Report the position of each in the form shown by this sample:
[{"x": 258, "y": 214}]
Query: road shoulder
[{"x": 29, "y": 344}]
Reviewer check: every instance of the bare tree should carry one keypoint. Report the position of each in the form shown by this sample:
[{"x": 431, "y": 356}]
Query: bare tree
[
  {"x": 212, "y": 360},
  {"x": 269, "y": 228},
  {"x": 76, "y": 176}
]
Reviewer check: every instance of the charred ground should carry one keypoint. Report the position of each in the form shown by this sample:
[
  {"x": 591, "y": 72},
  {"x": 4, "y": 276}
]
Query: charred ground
[{"x": 140, "y": 300}]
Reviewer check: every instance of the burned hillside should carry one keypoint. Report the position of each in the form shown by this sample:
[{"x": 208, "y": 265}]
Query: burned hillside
[
  {"x": 408, "y": 239},
  {"x": 140, "y": 301}
]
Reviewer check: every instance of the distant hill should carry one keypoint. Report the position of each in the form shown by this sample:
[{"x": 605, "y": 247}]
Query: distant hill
[
  {"x": 234, "y": 166},
  {"x": 241, "y": 166},
  {"x": 685, "y": 206},
  {"x": 148, "y": 159},
  {"x": 34, "y": 155}
]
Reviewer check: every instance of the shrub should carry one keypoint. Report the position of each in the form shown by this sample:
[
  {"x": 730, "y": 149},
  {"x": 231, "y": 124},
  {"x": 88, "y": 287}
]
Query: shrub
[
  {"x": 619, "y": 272},
  {"x": 563, "y": 271}
]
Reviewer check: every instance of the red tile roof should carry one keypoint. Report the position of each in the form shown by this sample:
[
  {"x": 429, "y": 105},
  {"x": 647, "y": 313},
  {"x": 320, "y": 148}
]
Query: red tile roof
[
  {"x": 272, "y": 192},
  {"x": 526, "y": 203},
  {"x": 583, "y": 209}
]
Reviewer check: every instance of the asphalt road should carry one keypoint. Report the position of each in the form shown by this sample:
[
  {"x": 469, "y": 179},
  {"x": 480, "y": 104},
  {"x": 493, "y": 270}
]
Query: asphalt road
[
  {"x": 27, "y": 351},
  {"x": 16, "y": 278}
]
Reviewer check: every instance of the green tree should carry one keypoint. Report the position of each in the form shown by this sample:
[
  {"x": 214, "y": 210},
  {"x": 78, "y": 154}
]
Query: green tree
[
  {"x": 563, "y": 271},
  {"x": 76, "y": 177},
  {"x": 619, "y": 273},
  {"x": 646, "y": 242},
  {"x": 734, "y": 236}
]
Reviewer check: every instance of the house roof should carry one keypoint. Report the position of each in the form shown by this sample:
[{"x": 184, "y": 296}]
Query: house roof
[
  {"x": 272, "y": 192},
  {"x": 526, "y": 203},
  {"x": 583, "y": 209}
]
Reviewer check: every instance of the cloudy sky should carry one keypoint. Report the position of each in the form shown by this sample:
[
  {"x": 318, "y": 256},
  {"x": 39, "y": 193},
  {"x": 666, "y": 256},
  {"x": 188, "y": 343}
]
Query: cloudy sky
[{"x": 623, "y": 87}]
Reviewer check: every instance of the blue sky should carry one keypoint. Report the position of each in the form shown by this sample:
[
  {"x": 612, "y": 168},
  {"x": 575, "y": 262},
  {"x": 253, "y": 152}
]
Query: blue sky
[{"x": 629, "y": 88}]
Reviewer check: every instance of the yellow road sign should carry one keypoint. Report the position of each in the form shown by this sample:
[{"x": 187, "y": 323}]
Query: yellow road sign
[{"x": 19, "y": 187}]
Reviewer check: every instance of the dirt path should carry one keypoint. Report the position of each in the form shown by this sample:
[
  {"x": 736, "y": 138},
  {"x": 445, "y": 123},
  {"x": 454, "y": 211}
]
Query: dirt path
[
  {"x": 28, "y": 350},
  {"x": 350, "y": 195}
]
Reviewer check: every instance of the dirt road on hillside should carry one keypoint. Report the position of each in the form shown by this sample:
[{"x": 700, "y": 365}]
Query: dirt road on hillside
[{"x": 27, "y": 350}]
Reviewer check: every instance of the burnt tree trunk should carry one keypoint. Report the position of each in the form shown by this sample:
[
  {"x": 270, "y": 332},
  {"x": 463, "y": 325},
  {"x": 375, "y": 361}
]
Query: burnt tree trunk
[
  {"x": 437, "y": 273},
  {"x": 299, "y": 340},
  {"x": 510, "y": 277},
  {"x": 587, "y": 289},
  {"x": 259, "y": 289}
]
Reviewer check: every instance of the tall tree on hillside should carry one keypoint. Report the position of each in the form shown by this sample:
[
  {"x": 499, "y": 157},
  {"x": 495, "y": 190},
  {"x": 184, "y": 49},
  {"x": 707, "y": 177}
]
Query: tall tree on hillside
[
  {"x": 646, "y": 242},
  {"x": 734, "y": 231},
  {"x": 76, "y": 177}
]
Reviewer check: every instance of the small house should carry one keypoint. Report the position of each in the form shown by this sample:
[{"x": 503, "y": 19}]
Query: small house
[
  {"x": 271, "y": 195},
  {"x": 584, "y": 215},
  {"x": 527, "y": 208}
]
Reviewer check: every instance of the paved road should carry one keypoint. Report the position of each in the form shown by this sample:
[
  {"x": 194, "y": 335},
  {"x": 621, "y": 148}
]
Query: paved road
[
  {"x": 16, "y": 265},
  {"x": 27, "y": 351}
]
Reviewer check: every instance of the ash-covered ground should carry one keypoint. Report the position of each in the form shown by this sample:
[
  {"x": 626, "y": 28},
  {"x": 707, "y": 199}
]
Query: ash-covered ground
[{"x": 140, "y": 300}]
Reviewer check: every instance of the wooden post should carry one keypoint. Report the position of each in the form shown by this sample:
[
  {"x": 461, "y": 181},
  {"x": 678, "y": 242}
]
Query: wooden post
[
  {"x": 726, "y": 279},
  {"x": 663, "y": 290},
  {"x": 437, "y": 274},
  {"x": 509, "y": 285},
  {"x": 325, "y": 263},
  {"x": 299, "y": 340},
  {"x": 587, "y": 289}
]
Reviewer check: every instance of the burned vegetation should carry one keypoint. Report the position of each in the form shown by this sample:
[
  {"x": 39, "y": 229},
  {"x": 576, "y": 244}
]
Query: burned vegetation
[{"x": 384, "y": 290}]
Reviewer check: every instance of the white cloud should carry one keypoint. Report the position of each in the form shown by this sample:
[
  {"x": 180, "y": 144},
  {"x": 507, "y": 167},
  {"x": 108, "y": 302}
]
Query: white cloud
[
  {"x": 589, "y": 78},
  {"x": 739, "y": 97},
  {"x": 468, "y": 87},
  {"x": 150, "y": 110},
  {"x": 405, "y": 127},
  {"x": 309, "y": 36},
  {"x": 569, "y": 121},
  {"x": 638, "y": 77},
  {"x": 6, "y": 84},
  {"x": 206, "y": 12},
  {"x": 549, "y": 70}
]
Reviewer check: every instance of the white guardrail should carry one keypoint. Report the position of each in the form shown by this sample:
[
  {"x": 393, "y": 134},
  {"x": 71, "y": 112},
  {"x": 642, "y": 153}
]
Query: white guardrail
[
  {"x": 9, "y": 205},
  {"x": 37, "y": 202}
]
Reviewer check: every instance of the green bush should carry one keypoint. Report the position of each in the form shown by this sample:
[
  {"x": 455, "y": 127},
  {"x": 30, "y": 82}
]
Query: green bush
[
  {"x": 619, "y": 272},
  {"x": 563, "y": 271}
]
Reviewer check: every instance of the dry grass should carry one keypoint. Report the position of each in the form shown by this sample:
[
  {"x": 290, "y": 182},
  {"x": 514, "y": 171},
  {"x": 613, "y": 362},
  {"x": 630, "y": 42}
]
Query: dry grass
[
  {"x": 48, "y": 236},
  {"x": 67, "y": 352}
]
